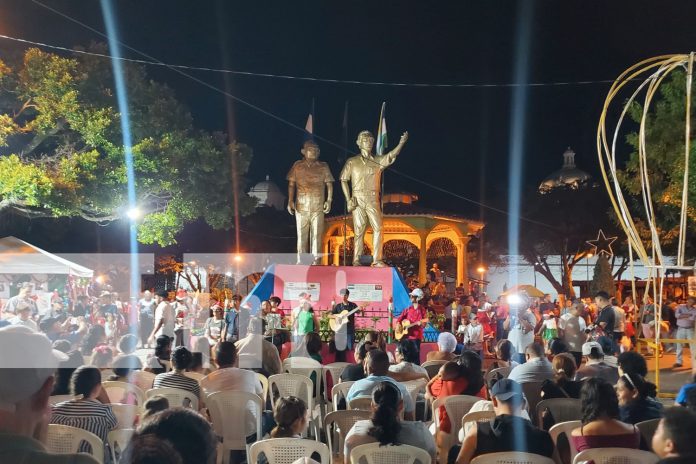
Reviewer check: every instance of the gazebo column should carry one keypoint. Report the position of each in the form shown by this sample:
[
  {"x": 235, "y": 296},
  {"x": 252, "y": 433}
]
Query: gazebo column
[
  {"x": 462, "y": 262},
  {"x": 325, "y": 248},
  {"x": 422, "y": 257},
  {"x": 336, "y": 253}
]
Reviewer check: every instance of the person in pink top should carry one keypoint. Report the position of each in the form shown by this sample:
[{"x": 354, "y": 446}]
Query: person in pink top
[{"x": 414, "y": 314}]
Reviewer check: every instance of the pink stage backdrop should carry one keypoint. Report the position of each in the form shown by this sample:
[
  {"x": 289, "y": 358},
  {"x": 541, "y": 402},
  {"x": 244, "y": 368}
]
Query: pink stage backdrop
[{"x": 367, "y": 285}]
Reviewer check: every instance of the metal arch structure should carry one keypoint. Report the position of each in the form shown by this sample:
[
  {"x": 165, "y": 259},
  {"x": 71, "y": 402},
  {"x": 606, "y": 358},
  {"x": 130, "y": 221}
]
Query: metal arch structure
[{"x": 650, "y": 74}]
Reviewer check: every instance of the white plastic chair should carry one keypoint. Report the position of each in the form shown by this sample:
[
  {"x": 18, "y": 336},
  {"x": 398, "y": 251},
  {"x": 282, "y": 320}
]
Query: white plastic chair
[
  {"x": 374, "y": 453},
  {"x": 118, "y": 391},
  {"x": 647, "y": 429},
  {"x": 363, "y": 403},
  {"x": 338, "y": 424},
  {"x": 197, "y": 376},
  {"x": 295, "y": 385},
  {"x": 414, "y": 387},
  {"x": 471, "y": 419},
  {"x": 338, "y": 391},
  {"x": 264, "y": 384},
  {"x": 55, "y": 399},
  {"x": 176, "y": 397},
  {"x": 432, "y": 367},
  {"x": 564, "y": 428},
  {"x": 562, "y": 409},
  {"x": 616, "y": 456},
  {"x": 494, "y": 373},
  {"x": 532, "y": 392},
  {"x": 288, "y": 450},
  {"x": 118, "y": 440},
  {"x": 126, "y": 414},
  {"x": 511, "y": 457},
  {"x": 228, "y": 411},
  {"x": 304, "y": 367},
  {"x": 143, "y": 379},
  {"x": 456, "y": 406},
  {"x": 63, "y": 439},
  {"x": 335, "y": 369}
]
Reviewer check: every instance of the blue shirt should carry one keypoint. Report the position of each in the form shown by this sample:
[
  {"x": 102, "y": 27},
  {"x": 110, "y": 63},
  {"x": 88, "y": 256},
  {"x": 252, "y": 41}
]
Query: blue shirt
[
  {"x": 681, "y": 396},
  {"x": 364, "y": 387}
]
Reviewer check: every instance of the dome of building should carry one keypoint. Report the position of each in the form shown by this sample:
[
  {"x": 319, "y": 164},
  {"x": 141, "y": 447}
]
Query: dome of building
[
  {"x": 568, "y": 176},
  {"x": 268, "y": 194}
]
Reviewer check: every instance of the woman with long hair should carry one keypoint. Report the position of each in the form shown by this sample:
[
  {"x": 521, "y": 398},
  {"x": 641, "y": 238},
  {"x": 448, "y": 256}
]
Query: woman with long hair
[
  {"x": 562, "y": 385},
  {"x": 385, "y": 425},
  {"x": 601, "y": 427},
  {"x": 290, "y": 415},
  {"x": 636, "y": 397}
]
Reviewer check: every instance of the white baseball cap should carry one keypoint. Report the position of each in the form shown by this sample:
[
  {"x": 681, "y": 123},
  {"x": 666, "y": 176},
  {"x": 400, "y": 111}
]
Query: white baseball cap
[
  {"x": 418, "y": 293},
  {"x": 587, "y": 348},
  {"x": 27, "y": 360}
]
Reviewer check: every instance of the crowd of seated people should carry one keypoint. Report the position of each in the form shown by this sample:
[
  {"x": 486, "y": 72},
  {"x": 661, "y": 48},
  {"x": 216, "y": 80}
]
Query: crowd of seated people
[{"x": 614, "y": 394}]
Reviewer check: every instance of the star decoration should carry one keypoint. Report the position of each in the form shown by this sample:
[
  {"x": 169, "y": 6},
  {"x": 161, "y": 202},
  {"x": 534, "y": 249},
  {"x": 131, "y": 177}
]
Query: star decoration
[{"x": 602, "y": 244}]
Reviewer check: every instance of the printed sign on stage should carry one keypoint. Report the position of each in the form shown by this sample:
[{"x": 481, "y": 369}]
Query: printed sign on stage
[
  {"x": 292, "y": 290},
  {"x": 365, "y": 292}
]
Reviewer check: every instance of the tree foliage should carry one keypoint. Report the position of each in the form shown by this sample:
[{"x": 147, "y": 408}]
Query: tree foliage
[
  {"x": 664, "y": 140},
  {"x": 563, "y": 220},
  {"x": 62, "y": 152},
  {"x": 602, "y": 279}
]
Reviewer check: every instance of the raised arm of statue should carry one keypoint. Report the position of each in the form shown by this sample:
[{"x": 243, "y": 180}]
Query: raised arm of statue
[{"x": 390, "y": 157}]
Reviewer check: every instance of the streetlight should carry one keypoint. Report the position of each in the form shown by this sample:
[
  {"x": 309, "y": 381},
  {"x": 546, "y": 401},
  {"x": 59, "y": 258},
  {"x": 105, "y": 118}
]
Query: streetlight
[
  {"x": 535, "y": 266},
  {"x": 481, "y": 270},
  {"x": 587, "y": 270}
]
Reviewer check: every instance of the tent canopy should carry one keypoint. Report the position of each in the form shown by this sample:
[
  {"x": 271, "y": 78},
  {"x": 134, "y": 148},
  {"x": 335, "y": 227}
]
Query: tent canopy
[{"x": 20, "y": 257}]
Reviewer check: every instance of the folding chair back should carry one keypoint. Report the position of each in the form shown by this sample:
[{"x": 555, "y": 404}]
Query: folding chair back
[
  {"x": 118, "y": 440},
  {"x": 288, "y": 450},
  {"x": 512, "y": 457},
  {"x": 338, "y": 424},
  {"x": 63, "y": 439},
  {"x": 229, "y": 411},
  {"x": 562, "y": 409},
  {"x": 127, "y": 414},
  {"x": 124, "y": 393},
  {"x": 432, "y": 367},
  {"x": 616, "y": 456},
  {"x": 374, "y": 453},
  {"x": 176, "y": 397}
]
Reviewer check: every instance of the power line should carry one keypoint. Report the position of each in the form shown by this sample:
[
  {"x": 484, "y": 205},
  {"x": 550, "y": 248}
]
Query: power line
[
  {"x": 276, "y": 117},
  {"x": 307, "y": 78}
]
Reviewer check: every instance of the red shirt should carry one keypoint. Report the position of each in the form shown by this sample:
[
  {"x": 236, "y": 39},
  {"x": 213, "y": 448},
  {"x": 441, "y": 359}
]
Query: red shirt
[{"x": 412, "y": 314}]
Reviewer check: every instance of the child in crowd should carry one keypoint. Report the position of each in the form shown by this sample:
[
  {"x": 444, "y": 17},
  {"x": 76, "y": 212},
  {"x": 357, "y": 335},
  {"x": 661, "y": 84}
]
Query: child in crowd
[
  {"x": 548, "y": 328},
  {"x": 473, "y": 335}
]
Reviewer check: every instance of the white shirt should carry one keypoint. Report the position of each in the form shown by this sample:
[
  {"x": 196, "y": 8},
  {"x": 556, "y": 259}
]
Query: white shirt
[
  {"x": 165, "y": 313},
  {"x": 520, "y": 340},
  {"x": 473, "y": 335}
]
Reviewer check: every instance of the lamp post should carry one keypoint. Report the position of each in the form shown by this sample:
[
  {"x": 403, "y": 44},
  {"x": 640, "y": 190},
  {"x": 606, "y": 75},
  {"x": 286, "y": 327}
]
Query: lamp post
[
  {"x": 587, "y": 270},
  {"x": 481, "y": 270},
  {"x": 535, "y": 266}
]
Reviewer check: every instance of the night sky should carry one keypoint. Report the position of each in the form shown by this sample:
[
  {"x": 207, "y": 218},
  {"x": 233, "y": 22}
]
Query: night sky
[{"x": 459, "y": 136}]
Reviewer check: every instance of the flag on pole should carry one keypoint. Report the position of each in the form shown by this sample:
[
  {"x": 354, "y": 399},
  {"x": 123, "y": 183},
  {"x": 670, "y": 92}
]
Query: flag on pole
[
  {"x": 382, "y": 131},
  {"x": 309, "y": 126}
]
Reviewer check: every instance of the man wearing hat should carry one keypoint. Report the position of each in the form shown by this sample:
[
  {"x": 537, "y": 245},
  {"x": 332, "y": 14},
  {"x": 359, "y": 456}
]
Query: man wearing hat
[
  {"x": 24, "y": 296},
  {"x": 509, "y": 431},
  {"x": 595, "y": 365},
  {"x": 26, "y": 380},
  {"x": 415, "y": 314},
  {"x": 343, "y": 339}
]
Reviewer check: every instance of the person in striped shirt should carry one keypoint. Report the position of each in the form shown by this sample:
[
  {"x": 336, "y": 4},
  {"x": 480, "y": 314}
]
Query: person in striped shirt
[
  {"x": 91, "y": 411},
  {"x": 181, "y": 360}
]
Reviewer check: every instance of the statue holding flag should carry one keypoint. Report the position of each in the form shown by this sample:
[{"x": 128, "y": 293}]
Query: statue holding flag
[{"x": 364, "y": 173}]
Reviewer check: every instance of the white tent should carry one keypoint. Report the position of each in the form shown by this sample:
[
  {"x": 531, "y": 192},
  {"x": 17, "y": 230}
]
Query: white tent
[{"x": 20, "y": 257}]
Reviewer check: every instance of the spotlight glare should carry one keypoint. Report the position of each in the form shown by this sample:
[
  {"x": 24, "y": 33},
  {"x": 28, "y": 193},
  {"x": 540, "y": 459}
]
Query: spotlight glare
[{"x": 134, "y": 213}]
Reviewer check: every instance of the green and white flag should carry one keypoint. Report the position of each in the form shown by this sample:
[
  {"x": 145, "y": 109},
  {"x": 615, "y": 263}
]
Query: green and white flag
[{"x": 382, "y": 131}]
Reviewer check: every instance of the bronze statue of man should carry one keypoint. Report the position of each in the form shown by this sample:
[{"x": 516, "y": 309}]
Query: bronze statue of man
[
  {"x": 309, "y": 178},
  {"x": 364, "y": 173}
]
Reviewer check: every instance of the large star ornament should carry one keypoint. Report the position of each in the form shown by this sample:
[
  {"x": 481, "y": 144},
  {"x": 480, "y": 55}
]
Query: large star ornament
[{"x": 602, "y": 244}]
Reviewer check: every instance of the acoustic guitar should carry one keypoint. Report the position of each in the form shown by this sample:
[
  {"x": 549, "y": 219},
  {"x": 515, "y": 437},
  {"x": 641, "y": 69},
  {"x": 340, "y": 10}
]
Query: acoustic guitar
[
  {"x": 337, "y": 321},
  {"x": 402, "y": 329}
]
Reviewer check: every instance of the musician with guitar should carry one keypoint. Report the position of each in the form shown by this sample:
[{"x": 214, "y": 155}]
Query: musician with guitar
[
  {"x": 410, "y": 322},
  {"x": 343, "y": 324}
]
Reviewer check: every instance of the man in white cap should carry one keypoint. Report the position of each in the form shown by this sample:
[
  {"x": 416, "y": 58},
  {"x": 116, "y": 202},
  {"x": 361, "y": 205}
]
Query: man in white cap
[
  {"x": 26, "y": 379},
  {"x": 417, "y": 315},
  {"x": 595, "y": 365}
]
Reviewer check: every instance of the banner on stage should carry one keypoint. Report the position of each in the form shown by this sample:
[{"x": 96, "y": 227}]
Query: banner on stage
[
  {"x": 365, "y": 292},
  {"x": 292, "y": 290},
  {"x": 691, "y": 282}
]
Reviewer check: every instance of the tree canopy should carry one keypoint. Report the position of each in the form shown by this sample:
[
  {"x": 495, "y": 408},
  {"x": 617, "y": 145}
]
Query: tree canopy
[
  {"x": 664, "y": 139},
  {"x": 62, "y": 152}
]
